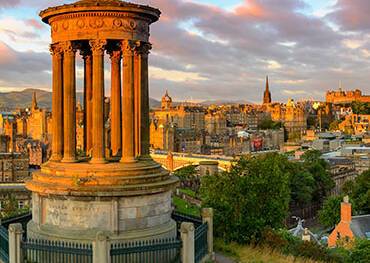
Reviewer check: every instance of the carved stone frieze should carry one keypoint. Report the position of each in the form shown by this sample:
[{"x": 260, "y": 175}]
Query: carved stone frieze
[{"x": 91, "y": 25}]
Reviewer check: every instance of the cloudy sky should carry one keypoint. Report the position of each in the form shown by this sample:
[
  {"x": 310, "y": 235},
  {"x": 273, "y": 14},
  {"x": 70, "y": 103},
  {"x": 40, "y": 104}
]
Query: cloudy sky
[{"x": 218, "y": 49}]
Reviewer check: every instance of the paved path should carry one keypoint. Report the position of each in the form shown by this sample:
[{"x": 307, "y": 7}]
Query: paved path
[{"x": 222, "y": 259}]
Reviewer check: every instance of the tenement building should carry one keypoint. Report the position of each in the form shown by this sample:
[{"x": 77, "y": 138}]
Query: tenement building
[
  {"x": 184, "y": 116},
  {"x": 126, "y": 196}
]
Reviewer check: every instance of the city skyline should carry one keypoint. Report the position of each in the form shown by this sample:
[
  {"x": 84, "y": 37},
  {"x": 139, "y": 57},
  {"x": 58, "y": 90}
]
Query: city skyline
[{"x": 306, "y": 47}]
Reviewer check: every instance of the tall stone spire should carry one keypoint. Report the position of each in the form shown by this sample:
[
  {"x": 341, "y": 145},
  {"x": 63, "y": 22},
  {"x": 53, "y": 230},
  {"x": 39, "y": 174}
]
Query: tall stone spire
[
  {"x": 34, "y": 101},
  {"x": 267, "y": 93}
]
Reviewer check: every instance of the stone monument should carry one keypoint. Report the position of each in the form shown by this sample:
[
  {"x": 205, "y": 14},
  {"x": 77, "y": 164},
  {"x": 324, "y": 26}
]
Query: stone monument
[{"x": 126, "y": 196}]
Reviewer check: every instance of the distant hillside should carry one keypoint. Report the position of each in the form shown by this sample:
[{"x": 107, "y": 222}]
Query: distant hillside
[
  {"x": 23, "y": 99},
  {"x": 223, "y": 102}
]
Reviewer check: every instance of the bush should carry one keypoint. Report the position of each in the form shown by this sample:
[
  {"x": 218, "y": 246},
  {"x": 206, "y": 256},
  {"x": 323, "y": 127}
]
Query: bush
[
  {"x": 286, "y": 243},
  {"x": 360, "y": 253}
]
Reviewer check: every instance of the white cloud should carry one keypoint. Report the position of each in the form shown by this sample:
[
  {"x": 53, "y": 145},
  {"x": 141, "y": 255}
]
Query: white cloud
[
  {"x": 174, "y": 75},
  {"x": 272, "y": 64},
  {"x": 294, "y": 92}
]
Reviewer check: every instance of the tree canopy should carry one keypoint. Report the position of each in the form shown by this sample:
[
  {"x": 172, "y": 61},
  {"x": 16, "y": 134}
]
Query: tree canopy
[
  {"x": 329, "y": 215},
  {"x": 359, "y": 193},
  {"x": 360, "y": 107},
  {"x": 268, "y": 124},
  {"x": 253, "y": 195},
  {"x": 257, "y": 191}
]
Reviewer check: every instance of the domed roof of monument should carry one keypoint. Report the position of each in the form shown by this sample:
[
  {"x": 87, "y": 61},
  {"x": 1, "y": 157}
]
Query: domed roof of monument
[{"x": 101, "y": 5}]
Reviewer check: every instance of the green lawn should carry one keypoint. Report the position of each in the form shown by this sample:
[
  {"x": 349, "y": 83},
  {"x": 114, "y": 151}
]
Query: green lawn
[
  {"x": 184, "y": 207},
  {"x": 189, "y": 192}
]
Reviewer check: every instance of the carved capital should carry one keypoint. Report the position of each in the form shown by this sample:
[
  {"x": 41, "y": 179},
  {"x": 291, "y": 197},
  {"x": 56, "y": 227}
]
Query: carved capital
[
  {"x": 98, "y": 46},
  {"x": 56, "y": 50},
  {"x": 143, "y": 48},
  {"x": 86, "y": 53},
  {"x": 115, "y": 55},
  {"x": 69, "y": 48},
  {"x": 128, "y": 47}
]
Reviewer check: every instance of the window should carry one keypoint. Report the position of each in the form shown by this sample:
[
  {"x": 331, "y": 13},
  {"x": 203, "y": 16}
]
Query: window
[{"x": 20, "y": 204}]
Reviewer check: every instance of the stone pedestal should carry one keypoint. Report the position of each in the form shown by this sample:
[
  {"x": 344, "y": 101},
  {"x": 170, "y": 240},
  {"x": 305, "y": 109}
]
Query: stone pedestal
[
  {"x": 208, "y": 168},
  {"x": 124, "y": 201}
]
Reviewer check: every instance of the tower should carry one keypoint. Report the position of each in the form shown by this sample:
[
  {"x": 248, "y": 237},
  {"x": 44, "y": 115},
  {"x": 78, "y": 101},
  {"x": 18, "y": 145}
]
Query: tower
[
  {"x": 166, "y": 103},
  {"x": 127, "y": 196},
  {"x": 34, "y": 102},
  {"x": 267, "y": 93}
]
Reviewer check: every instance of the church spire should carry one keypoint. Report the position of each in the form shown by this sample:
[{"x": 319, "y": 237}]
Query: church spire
[
  {"x": 267, "y": 93},
  {"x": 34, "y": 101}
]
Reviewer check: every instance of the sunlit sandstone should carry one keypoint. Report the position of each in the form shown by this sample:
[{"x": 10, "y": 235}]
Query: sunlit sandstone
[{"x": 127, "y": 196}]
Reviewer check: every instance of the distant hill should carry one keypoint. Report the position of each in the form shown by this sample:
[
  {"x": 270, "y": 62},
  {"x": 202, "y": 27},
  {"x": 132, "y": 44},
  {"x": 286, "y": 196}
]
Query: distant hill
[
  {"x": 23, "y": 99},
  {"x": 223, "y": 102}
]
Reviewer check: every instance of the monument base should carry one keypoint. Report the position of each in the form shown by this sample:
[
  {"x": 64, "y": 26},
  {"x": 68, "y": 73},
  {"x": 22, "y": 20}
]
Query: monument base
[
  {"x": 75, "y": 202},
  {"x": 52, "y": 233}
]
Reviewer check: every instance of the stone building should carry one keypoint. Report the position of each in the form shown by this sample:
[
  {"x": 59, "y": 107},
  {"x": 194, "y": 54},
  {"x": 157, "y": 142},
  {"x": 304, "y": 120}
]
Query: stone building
[
  {"x": 342, "y": 169},
  {"x": 293, "y": 117},
  {"x": 162, "y": 135},
  {"x": 346, "y": 97},
  {"x": 37, "y": 123},
  {"x": 355, "y": 123},
  {"x": 184, "y": 116},
  {"x": 216, "y": 123},
  {"x": 13, "y": 167}
]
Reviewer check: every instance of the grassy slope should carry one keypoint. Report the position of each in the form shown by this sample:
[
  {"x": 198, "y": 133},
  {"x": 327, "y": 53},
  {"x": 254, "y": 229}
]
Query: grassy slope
[
  {"x": 249, "y": 254},
  {"x": 183, "y": 207}
]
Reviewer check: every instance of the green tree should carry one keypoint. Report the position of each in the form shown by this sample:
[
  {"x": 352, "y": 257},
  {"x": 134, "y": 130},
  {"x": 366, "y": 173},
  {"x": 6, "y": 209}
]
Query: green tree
[
  {"x": 10, "y": 207},
  {"x": 360, "y": 107},
  {"x": 268, "y": 124},
  {"x": 319, "y": 169},
  {"x": 254, "y": 195},
  {"x": 329, "y": 215},
  {"x": 359, "y": 192},
  {"x": 302, "y": 186},
  {"x": 186, "y": 173}
]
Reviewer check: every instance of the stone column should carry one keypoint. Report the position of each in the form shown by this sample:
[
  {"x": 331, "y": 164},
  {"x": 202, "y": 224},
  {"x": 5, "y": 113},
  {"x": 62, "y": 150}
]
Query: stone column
[
  {"x": 15, "y": 238},
  {"x": 207, "y": 216},
  {"x": 143, "y": 100},
  {"x": 98, "y": 153},
  {"x": 87, "y": 57},
  {"x": 187, "y": 236},
  {"x": 69, "y": 102},
  {"x": 57, "y": 102},
  {"x": 116, "y": 121},
  {"x": 137, "y": 99},
  {"x": 101, "y": 249},
  {"x": 128, "y": 132}
]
